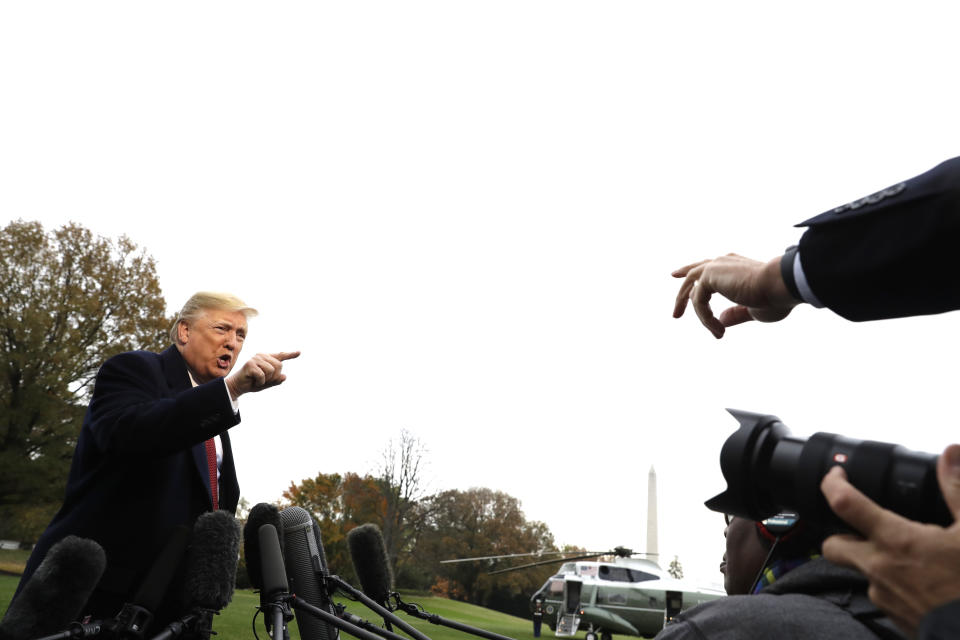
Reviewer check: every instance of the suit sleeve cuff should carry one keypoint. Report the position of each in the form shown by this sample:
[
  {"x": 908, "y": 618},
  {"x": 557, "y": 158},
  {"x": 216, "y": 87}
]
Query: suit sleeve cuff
[
  {"x": 791, "y": 270},
  {"x": 786, "y": 271}
]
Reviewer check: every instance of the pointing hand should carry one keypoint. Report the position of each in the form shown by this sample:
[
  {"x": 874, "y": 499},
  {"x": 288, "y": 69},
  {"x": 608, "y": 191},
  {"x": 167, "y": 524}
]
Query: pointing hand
[{"x": 260, "y": 372}]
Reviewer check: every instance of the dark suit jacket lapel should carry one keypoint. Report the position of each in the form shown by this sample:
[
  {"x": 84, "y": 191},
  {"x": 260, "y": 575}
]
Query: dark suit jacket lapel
[{"x": 175, "y": 370}]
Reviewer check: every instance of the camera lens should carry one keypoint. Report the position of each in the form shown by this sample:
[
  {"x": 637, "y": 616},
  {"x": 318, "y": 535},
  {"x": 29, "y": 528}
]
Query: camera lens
[{"x": 767, "y": 471}]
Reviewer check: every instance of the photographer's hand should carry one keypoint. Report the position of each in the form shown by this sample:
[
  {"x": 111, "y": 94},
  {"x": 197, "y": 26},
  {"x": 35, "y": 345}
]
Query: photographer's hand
[
  {"x": 912, "y": 567},
  {"x": 756, "y": 287}
]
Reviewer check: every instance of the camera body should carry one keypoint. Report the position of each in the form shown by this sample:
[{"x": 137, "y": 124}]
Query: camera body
[{"x": 769, "y": 471}]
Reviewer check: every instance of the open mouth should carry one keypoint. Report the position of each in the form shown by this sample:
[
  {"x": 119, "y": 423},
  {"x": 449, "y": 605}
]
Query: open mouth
[{"x": 224, "y": 361}]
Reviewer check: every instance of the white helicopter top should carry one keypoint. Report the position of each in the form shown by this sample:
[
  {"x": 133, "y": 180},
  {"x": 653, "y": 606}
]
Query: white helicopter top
[{"x": 629, "y": 570}]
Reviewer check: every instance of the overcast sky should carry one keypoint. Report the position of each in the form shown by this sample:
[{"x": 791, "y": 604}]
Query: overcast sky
[{"x": 465, "y": 214}]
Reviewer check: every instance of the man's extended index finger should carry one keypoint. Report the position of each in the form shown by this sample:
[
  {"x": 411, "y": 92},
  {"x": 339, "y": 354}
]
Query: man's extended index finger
[{"x": 286, "y": 355}]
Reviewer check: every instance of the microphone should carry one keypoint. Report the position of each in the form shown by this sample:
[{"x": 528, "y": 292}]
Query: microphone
[
  {"x": 369, "y": 555},
  {"x": 306, "y": 567},
  {"x": 55, "y": 594},
  {"x": 211, "y": 573},
  {"x": 137, "y": 614},
  {"x": 261, "y": 514},
  {"x": 275, "y": 593},
  {"x": 212, "y": 561},
  {"x": 274, "y": 590}
]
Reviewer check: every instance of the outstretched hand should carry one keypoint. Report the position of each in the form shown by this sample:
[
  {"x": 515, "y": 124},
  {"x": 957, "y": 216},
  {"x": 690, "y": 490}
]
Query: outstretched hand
[
  {"x": 912, "y": 567},
  {"x": 260, "y": 372},
  {"x": 757, "y": 288}
]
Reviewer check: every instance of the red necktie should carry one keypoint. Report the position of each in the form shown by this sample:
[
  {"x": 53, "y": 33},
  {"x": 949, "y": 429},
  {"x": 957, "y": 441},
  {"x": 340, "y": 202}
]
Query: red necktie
[{"x": 212, "y": 469}]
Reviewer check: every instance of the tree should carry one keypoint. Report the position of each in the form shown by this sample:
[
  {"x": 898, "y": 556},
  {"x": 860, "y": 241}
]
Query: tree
[
  {"x": 68, "y": 301},
  {"x": 401, "y": 486},
  {"x": 338, "y": 504},
  {"x": 390, "y": 500},
  {"x": 482, "y": 522},
  {"x": 676, "y": 569}
]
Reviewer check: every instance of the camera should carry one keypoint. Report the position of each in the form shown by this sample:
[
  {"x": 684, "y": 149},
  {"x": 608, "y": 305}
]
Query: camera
[{"x": 768, "y": 471}]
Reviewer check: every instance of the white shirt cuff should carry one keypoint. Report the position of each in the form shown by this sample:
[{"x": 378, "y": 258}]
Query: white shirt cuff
[{"x": 803, "y": 287}]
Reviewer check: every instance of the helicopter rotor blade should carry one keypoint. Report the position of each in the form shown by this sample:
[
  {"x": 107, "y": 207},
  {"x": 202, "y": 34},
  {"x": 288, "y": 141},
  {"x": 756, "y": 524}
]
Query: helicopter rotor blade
[
  {"x": 543, "y": 562},
  {"x": 509, "y": 555}
]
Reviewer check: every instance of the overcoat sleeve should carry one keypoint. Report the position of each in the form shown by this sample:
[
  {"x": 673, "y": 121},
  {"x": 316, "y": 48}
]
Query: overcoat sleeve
[
  {"x": 891, "y": 254},
  {"x": 141, "y": 408}
]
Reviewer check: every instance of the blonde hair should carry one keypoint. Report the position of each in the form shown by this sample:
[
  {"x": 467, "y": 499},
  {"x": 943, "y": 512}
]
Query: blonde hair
[{"x": 204, "y": 300}]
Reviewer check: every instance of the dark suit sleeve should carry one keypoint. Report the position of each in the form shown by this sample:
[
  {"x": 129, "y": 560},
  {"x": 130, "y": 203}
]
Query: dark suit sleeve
[
  {"x": 891, "y": 254},
  {"x": 133, "y": 409},
  {"x": 943, "y": 623}
]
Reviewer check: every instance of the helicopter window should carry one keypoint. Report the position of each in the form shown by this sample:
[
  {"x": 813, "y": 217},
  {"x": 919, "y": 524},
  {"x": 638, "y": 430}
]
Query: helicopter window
[
  {"x": 568, "y": 568},
  {"x": 613, "y": 598},
  {"x": 588, "y": 594},
  {"x": 640, "y": 576},
  {"x": 615, "y": 574},
  {"x": 556, "y": 587}
]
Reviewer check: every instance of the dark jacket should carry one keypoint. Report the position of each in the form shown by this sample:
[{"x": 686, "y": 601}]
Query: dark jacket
[
  {"x": 891, "y": 254},
  {"x": 139, "y": 468},
  {"x": 818, "y": 600},
  {"x": 943, "y": 623}
]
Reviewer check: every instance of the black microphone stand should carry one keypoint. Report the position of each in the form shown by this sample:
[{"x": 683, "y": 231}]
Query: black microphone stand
[
  {"x": 129, "y": 624},
  {"x": 282, "y": 611},
  {"x": 281, "y": 615},
  {"x": 366, "y": 624},
  {"x": 77, "y": 630},
  {"x": 417, "y": 611},
  {"x": 354, "y": 630},
  {"x": 199, "y": 621},
  {"x": 336, "y": 582}
]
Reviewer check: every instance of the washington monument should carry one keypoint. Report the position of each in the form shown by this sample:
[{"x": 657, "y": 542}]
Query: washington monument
[{"x": 652, "y": 550}]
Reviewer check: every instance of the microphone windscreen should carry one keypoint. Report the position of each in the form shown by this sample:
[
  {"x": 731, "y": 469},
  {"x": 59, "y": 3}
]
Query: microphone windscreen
[
  {"x": 165, "y": 566},
  {"x": 54, "y": 595},
  {"x": 306, "y": 568},
  {"x": 212, "y": 557},
  {"x": 369, "y": 555},
  {"x": 273, "y": 579},
  {"x": 260, "y": 515}
]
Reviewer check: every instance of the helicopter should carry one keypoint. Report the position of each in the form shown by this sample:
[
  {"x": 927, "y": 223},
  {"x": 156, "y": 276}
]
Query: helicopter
[{"x": 626, "y": 596}]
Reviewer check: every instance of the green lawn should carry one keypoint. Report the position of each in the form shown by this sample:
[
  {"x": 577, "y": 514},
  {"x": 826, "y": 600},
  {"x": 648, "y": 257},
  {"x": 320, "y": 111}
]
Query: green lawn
[
  {"x": 8, "y": 585},
  {"x": 13, "y": 560},
  {"x": 235, "y": 620}
]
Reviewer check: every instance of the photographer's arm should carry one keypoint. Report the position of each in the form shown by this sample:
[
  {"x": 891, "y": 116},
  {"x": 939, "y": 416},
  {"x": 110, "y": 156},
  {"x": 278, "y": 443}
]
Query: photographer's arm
[{"x": 913, "y": 568}]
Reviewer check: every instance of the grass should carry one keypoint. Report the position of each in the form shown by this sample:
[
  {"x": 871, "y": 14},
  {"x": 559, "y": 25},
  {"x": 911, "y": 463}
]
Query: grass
[
  {"x": 13, "y": 560},
  {"x": 244, "y": 603},
  {"x": 234, "y": 622},
  {"x": 8, "y": 584}
]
